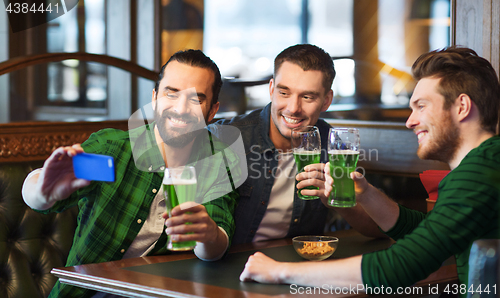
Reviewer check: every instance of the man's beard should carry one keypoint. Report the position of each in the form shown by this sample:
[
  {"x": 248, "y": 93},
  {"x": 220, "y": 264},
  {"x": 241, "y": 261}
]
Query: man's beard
[
  {"x": 177, "y": 137},
  {"x": 445, "y": 142}
]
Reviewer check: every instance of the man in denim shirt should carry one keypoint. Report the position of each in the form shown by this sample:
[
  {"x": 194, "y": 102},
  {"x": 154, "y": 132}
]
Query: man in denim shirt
[{"x": 269, "y": 207}]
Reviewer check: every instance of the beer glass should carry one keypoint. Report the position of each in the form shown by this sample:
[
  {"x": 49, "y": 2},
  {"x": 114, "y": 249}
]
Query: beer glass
[
  {"x": 343, "y": 153},
  {"x": 306, "y": 146},
  {"x": 179, "y": 186}
]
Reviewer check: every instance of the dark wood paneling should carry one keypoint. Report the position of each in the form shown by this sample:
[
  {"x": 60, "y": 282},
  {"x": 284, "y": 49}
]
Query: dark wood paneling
[
  {"x": 30, "y": 141},
  {"x": 477, "y": 26}
]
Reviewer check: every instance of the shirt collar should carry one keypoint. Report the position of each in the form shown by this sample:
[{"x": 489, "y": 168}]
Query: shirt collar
[
  {"x": 265, "y": 122},
  {"x": 146, "y": 153}
]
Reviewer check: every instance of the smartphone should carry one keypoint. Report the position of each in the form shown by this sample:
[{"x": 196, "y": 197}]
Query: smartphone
[{"x": 96, "y": 167}]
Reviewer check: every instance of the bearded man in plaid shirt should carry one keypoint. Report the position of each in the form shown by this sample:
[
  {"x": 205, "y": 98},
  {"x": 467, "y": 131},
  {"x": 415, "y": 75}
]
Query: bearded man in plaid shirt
[{"x": 127, "y": 218}]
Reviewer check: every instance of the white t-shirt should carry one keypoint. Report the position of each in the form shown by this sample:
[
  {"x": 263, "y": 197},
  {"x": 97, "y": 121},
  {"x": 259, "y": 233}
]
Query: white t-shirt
[
  {"x": 276, "y": 220},
  {"x": 150, "y": 231}
]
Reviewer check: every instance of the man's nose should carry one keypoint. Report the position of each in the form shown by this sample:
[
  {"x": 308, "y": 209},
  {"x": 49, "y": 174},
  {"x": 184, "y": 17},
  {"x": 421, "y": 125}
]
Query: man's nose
[
  {"x": 412, "y": 121},
  {"x": 182, "y": 105},
  {"x": 294, "y": 105}
]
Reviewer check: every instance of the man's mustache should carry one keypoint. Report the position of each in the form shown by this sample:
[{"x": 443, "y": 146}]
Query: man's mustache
[{"x": 186, "y": 117}]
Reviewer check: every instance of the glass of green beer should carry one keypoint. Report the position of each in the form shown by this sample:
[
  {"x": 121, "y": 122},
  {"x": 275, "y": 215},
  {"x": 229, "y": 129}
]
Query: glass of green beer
[
  {"x": 306, "y": 146},
  {"x": 343, "y": 153},
  {"x": 179, "y": 186}
]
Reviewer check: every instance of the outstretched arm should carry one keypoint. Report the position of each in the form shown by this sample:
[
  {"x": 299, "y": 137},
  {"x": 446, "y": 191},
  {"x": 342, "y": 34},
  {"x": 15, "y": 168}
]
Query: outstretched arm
[
  {"x": 56, "y": 180},
  {"x": 335, "y": 273}
]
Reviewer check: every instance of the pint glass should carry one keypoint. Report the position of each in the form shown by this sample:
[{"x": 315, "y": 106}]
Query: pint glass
[
  {"x": 343, "y": 153},
  {"x": 179, "y": 186},
  {"x": 306, "y": 146}
]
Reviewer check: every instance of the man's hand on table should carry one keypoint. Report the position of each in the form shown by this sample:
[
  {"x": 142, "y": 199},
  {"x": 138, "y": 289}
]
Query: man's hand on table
[
  {"x": 263, "y": 269},
  {"x": 337, "y": 273}
]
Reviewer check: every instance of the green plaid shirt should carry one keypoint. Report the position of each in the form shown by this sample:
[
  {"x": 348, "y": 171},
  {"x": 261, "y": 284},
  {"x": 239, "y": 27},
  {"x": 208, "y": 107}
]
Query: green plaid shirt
[{"x": 111, "y": 214}]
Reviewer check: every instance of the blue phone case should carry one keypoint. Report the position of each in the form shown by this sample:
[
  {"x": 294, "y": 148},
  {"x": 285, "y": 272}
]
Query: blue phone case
[{"x": 94, "y": 167}]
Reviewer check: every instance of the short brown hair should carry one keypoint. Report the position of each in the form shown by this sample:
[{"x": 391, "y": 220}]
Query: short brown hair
[
  {"x": 195, "y": 58},
  {"x": 308, "y": 57},
  {"x": 461, "y": 70}
]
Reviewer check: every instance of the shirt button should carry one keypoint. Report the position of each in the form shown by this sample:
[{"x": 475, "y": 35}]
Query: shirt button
[
  {"x": 296, "y": 220},
  {"x": 139, "y": 221},
  {"x": 162, "y": 168},
  {"x": 123, "y": 250},
  {"x": 154, "y": 190}
]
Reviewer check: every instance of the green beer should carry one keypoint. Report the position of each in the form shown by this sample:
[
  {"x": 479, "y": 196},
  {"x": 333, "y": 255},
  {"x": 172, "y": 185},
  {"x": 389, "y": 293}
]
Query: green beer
[
  {"x": 302, "y": 159},
  {"x": 175, "y": 193},
  {"x": 342, "y": 164}
]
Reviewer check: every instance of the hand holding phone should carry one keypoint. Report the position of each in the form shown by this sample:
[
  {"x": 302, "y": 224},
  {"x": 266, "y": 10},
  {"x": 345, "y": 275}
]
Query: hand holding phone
[{"x": 96, "y": 167}]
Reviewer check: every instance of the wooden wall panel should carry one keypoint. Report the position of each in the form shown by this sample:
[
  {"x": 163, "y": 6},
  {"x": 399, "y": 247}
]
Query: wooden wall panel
[
  {"x": 30, "y": 141},
  {"x": 477, "y": 26}
]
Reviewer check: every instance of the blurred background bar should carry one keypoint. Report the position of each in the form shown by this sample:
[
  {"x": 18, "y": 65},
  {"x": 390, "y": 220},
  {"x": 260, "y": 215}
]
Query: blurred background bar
[{"x": 373, "y": 44}]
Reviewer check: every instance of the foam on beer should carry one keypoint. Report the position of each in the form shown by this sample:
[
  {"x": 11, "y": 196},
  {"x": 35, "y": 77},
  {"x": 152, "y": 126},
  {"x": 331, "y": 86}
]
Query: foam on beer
[
  {"x": 343, "y": 152},
  {"x": 174, "y": 181},
  {"x": 304, "y": 151}
]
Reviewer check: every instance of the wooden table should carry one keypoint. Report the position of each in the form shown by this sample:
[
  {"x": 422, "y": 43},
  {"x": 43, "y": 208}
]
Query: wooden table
[{"x": 183, "y": 275}]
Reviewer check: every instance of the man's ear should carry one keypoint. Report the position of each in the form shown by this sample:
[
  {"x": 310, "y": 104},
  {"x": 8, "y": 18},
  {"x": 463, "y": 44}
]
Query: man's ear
[
  {"x": 271, "y": 88},
  {"x": 213, "y": 110},
  {"x": 328, "y": 100},
  {"x": 463, "y": 106},
  {"x": 153, "y": 99}
]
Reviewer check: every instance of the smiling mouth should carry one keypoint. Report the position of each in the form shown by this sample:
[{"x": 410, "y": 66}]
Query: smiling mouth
[
  {"x": 291, "y": 120},
  {"x": 178, "y": 122},
  {"x": 420, "y": 135}
]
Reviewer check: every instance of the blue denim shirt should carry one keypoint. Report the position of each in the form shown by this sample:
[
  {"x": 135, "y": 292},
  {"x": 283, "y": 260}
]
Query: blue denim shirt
[{"x": 308, "y": 216}]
